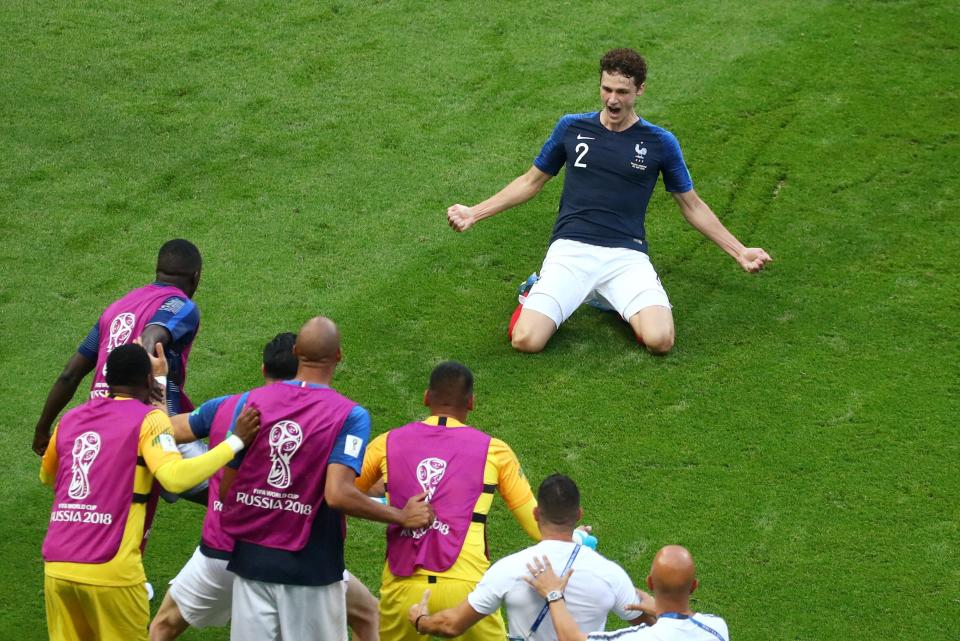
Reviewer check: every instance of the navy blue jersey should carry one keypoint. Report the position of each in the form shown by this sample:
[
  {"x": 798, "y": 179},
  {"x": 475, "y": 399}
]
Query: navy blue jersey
[{"x": 610, "y": 178}]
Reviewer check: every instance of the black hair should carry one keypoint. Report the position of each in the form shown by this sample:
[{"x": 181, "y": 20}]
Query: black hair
[
  {"x": 179, "y": 257},
  {"x": 451, "y": 383},
  {"x": 279, "y": 363},
  {"x": 128, "y": 365},
  {"x": 559, "y": 500}
]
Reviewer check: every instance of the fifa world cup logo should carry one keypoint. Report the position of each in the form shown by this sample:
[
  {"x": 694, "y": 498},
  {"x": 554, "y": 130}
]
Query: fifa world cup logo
[
  {"x": 85, "y": 450},
  {"x": 429, "y": 473},
  {"x": 285, "y": 439},
  {"x": 121, "y": 329}
]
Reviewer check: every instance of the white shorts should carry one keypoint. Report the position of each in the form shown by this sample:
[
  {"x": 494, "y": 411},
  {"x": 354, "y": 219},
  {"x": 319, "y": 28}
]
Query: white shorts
[
  {"x": 572, "y": 270},
  {"x": 269, "y": 611},
  {"x": 203, "y": 590}
]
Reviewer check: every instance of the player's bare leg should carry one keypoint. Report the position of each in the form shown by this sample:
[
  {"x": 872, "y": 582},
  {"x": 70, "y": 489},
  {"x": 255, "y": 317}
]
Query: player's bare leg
[
  {"x": 653, "y": 327},
  {"x": 168, "y": 623},
  {"x": 363, "y": 611},
  {"x": 532, "y": 331}
]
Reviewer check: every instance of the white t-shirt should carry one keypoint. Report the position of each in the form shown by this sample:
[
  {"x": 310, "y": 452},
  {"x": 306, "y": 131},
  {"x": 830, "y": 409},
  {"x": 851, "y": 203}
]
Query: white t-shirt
[
  {"x": 598, "y": 586},
  {"x": 699, "y": 627}
]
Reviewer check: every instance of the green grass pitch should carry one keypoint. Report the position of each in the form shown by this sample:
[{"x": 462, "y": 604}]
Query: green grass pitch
[{"x": 801, "y": 440}]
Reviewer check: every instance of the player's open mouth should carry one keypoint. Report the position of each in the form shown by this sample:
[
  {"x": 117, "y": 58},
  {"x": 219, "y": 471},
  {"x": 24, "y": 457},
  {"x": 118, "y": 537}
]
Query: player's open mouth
[{"x": 613, "y": 110}]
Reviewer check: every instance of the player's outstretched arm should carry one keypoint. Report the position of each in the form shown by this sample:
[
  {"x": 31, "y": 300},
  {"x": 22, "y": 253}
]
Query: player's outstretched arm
[
  {"x": 451, "y": 622},
  {"x": 702, "y": 218},
  {"x": 177, "y": 474},
  {"x": 341, "y": 493},
  {"x": 520, "y": 190},
  {"x": 60, "y": 394}
]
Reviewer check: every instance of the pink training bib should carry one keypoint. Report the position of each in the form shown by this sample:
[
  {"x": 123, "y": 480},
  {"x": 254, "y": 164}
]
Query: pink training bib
[
  {"x": 97, "y": 446},
  {"x": 123, "y": 321},
  {"x": 448, "y": 464},
  {"x": 279, "y": 486}
]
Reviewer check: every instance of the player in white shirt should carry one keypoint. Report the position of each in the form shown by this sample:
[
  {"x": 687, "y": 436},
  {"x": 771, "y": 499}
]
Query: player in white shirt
[
  {"x": 673, "y": 578},
  {"x": 599, "y": 587}
]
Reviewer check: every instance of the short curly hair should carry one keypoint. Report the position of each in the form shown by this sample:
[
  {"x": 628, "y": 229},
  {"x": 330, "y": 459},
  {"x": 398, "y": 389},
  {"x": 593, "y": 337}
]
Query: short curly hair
[{"x": 625, "y": 62}]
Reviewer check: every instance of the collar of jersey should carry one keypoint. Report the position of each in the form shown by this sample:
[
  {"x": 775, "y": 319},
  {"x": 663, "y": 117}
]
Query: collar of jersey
[
  {"x": 305, "y": 384},
  {"x": 435, "y": 420}
]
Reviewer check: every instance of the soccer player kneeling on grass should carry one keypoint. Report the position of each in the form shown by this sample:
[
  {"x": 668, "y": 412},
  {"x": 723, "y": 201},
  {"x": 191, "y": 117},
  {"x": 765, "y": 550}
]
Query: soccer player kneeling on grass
[
  {"x": 102, "y": 459},
  {"x": 613, "y": 159}
]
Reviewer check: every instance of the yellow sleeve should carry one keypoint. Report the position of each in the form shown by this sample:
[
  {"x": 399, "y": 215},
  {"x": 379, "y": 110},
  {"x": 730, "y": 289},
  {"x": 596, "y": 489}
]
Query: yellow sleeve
[
  {"x": 514, "y": 487},
  {"x": 50, "y": 460},
  {"x": 159, "y": 451},
  {"x": 373, "y": 464}
]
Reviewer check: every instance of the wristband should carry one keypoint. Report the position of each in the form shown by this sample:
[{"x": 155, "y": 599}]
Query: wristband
[
  {"x": 235, "y": 443},
  {"x": 416, "y": 623},
  {"x": 161, "y": 380}
]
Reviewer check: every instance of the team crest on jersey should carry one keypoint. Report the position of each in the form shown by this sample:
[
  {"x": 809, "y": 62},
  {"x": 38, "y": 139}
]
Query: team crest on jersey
[
  {"x": 429, "y": 474},
  {"x": 640, "y": 157},
  {"x": 121, "y": 330},
  {"x": 286, "y": 437},
  {"x": 86, "y": 447}
]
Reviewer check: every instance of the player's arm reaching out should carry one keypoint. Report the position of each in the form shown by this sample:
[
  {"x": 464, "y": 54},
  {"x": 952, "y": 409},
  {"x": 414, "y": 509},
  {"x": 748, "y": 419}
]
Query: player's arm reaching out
[
  {"x": 702, "y": 218},
  {"x": 451, "y": 622},
  {"x": 60, "y": 394},
  {"x": 341, "y": 493},
  {"x": 177, "y": 474},
  {"x": 520, "y": 190}
]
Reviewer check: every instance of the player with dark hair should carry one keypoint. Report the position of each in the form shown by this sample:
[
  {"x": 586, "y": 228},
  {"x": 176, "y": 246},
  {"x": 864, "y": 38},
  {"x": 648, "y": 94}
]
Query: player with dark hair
[
  {"x": 459, "y": 467},
  {"x": 201, "y": 595},
  {"x": 102, "y": 459},
  {"x": 598, "y": 250},
  {"x": 599, "y": 586},
  {"x": 161, "y": 312},
  {"x": 672, "y": 579}
]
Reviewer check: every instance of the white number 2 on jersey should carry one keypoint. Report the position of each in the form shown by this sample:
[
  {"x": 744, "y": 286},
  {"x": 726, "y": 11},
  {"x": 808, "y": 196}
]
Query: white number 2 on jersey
[{"x": 582, "y": 148}]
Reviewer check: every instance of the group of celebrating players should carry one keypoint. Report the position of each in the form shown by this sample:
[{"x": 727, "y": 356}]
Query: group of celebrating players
[{"x": 270, "y": 560}]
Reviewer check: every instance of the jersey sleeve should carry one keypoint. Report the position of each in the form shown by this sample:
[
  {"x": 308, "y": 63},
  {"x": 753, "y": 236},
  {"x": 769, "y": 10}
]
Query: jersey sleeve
[
  {"x": 514, "y": 487},
  {"x": 623, "y": 593},
  {"x": 160, "y": 453},
  {"x": 511, "y": 481},
  {"x": 157, "y": 444},
  {"x": 50, "y": 460},
  {"x": 373, "y": 460},
  {"x": 180, "y": 316},
  {"x": 676, "y": 176},
  {"x": 201, "y": 419},
  {"x": 90, "y": 346},
  {"x": 351, "y": 444},
  {"x": 553, "y": 155},
  {"x": 487, "y": 597}
]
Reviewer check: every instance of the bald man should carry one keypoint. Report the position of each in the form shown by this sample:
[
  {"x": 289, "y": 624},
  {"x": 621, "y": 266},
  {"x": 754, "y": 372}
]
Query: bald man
[
  {"x": 672, "y": 579},
  {"x": 285, "y": 506}
]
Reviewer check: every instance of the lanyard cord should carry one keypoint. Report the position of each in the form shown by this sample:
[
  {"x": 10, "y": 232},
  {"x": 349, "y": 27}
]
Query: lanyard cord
[{"x": 546, "y": 606}]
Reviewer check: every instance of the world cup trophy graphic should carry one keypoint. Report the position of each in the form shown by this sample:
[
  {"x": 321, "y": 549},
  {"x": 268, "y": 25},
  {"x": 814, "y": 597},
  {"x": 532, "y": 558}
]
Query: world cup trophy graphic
[
  {"x": 285, "y": 439},
  {"x": 121, "y": 329},
  {"x": 429, "y": 472},
  {"x": 85, "y": 450}
]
